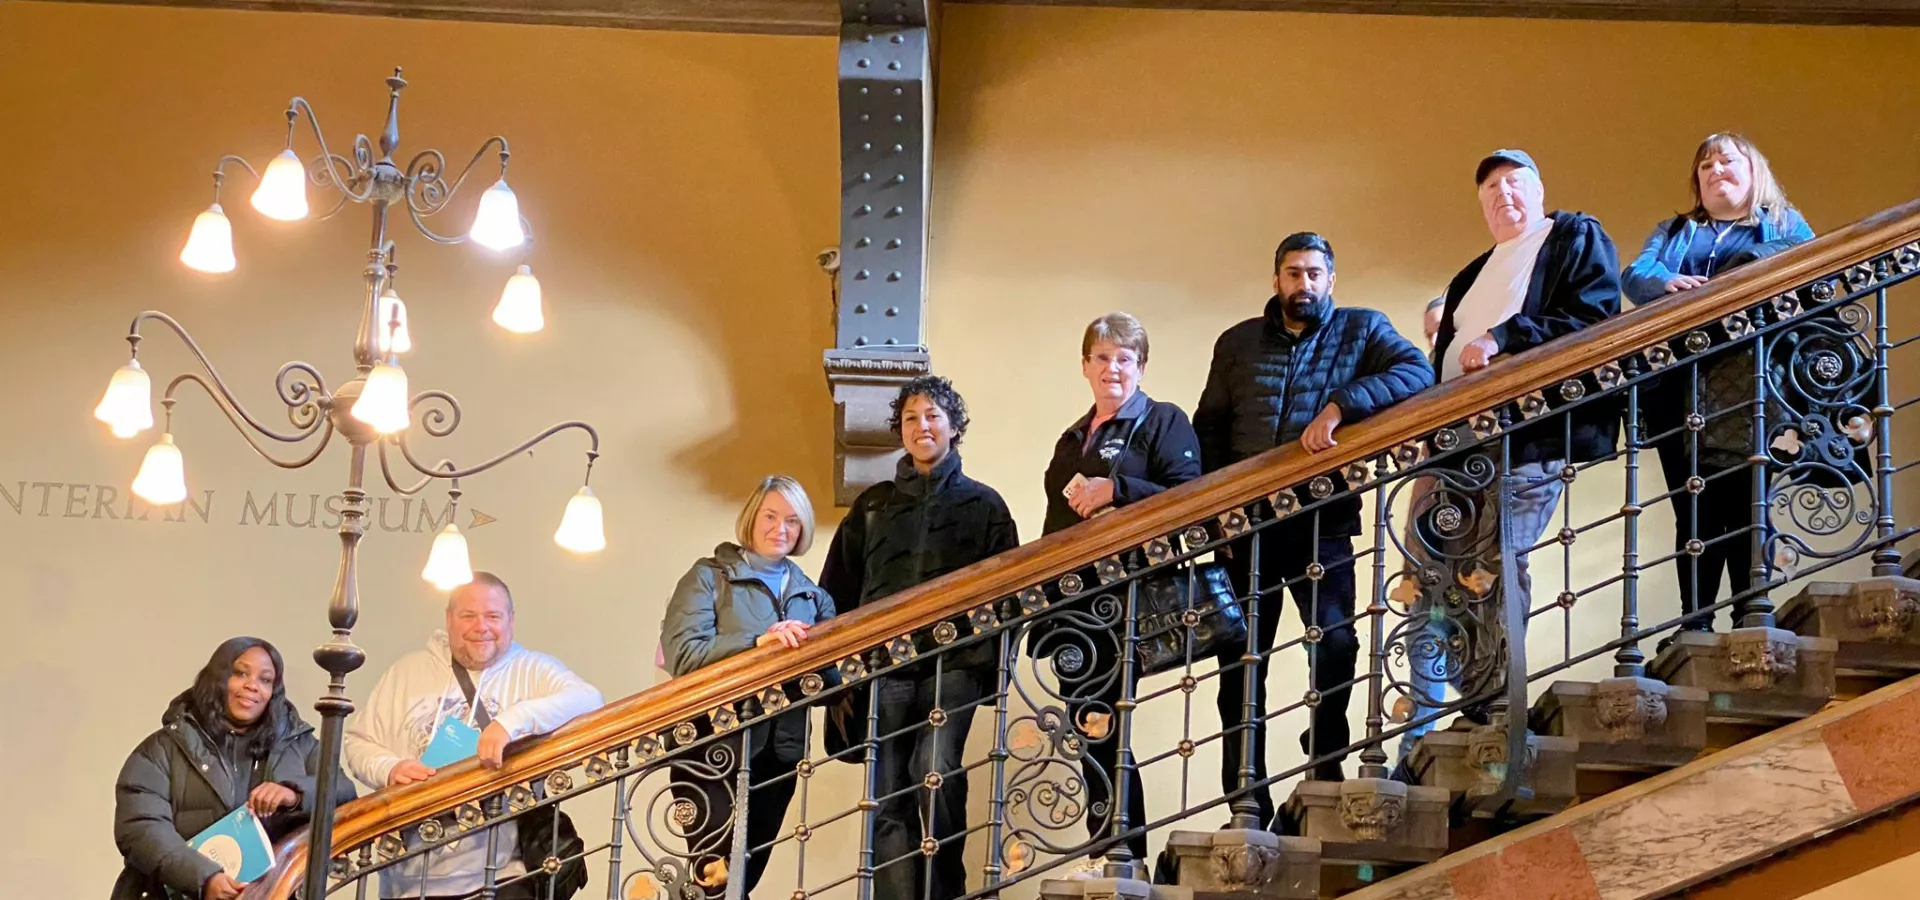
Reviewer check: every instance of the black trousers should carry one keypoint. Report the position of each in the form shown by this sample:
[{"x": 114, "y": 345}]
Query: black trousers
[
  {"x": 916, "y": 812},
  {"x": 711, "y": 837},
  {"x": 1724, "y": 507},
  {"x": 1094, "y": 690},
  {"x": 1327, "y": 603}
]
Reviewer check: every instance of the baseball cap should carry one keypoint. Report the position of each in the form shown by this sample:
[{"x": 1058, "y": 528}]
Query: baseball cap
[{"x": 1516, "y": 157}]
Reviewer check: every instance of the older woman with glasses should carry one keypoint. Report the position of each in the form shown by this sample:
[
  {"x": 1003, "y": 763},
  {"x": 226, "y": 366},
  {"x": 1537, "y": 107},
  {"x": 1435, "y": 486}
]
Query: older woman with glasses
[{"x": 1126, "y": 448}]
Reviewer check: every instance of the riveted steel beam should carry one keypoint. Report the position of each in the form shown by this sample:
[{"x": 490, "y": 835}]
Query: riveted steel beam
[{"x": 886, "y": 113}]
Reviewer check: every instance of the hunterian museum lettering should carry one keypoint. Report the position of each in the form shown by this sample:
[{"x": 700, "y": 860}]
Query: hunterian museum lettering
[{"x": 28, "y": 499}]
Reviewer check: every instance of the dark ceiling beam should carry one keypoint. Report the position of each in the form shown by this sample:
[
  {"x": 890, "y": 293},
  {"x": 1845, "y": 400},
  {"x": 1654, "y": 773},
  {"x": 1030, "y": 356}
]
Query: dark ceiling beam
[
  {"x": 810, "y": 17},
  {"x": 1768, "y": 12},
  {"x": 822, "y": 17}
]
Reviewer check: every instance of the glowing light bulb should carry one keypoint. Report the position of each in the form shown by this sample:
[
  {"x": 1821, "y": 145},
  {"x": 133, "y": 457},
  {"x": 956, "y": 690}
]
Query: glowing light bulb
[
  {"x": 519, "y": 307},
  {"x": 162, "y": 480},
  {"x": 448, "y": 565},
  {"x": 210, "y": 244},
  {"x": 582, "y": 527},
  {"x": 127, "y": 406},
  {"x": 383, "y": 401},
  {"x": 282, "y": 193},
  {"x": 496, "y": 225}
]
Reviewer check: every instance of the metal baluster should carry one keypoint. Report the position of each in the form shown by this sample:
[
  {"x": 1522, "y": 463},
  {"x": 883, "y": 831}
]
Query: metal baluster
[
  {"x": 1566, "y": 549},
  {"x": 1373, "y": 758},
  {"x": 1120, "y": 861},
  {"x": 1515, "y": 605},
  {"x": 869, "y": 807},
  {"x": 1886, "y": 560},
  {"x": 1759, "y": 612},
  {"x": 930, "y": 797},
  {"x": 1690, "y": 563},
  {"x": 806, "y": 788},
  {"x": 742, "y": 784},
  {"x": 619, "y": 835},
  {"x": 997, "y": 808},
  {"x": 489, "y": 877},
  {"x": 1246, "y": 810},
  {"x": 1628, "y": 661}
]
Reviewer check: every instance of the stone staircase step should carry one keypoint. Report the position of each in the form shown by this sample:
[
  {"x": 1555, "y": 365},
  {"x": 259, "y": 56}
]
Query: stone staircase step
[
  {"x": 1372, "y": 821},
  {"x": 1463, "y": 758},
  {"x": 1769, "y": 675},
  {"x": 1243, "y": 864},
  {"x": 1636, "y": 724},
  {"x": 1876, "y": 622}
]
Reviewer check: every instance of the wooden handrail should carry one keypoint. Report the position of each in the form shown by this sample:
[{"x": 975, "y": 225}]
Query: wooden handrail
[{"x": 952, "y": 596}]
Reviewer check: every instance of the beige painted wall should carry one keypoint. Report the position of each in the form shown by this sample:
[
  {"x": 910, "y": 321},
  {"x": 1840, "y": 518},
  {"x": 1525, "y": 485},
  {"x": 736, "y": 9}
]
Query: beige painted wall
[{"x": 680, "y": 185}]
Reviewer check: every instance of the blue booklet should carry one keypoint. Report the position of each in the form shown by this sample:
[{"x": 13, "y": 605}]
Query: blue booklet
[
  {"x": 238, "y": 842},
  {"x": 452, "y": 742}
]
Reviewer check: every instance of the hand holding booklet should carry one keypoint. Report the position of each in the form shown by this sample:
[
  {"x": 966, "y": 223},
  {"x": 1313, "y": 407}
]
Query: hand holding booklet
[
  {"x": 238, "y": 842},
  {"x": 452, "y": 742}
]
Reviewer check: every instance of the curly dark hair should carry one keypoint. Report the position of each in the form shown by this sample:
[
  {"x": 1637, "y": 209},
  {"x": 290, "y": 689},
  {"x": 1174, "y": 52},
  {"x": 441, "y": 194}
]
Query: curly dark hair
[{"x": 939, "y": 390}]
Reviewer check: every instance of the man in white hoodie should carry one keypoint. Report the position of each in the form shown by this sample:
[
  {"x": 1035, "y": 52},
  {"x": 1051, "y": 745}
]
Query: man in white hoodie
[{"x": 520, "y": 693}]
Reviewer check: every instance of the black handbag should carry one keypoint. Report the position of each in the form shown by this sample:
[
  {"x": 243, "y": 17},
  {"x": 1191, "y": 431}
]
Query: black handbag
[{"x": 1187, "y": 613}]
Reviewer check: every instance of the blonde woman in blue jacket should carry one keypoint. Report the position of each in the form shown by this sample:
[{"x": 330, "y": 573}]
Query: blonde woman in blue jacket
[{"x": 1739, "y": 214}]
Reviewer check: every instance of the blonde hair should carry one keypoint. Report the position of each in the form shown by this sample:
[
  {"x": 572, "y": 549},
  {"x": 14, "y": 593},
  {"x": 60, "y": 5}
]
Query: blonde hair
[
  {"x": 1766, "y": 201},
  {"x": 1118, "y": 329},
  {"x": 796, "y": 496}
]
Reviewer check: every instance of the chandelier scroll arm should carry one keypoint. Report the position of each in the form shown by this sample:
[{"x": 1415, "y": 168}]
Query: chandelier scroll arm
[
  {"x": 296, "y": 394},
  {"x": 320, "y": 422},
  {"x": 386, "y": 472},
  {"x": 220, "y": 172},
  {"x": 435, "y": 416},
  {"x": 428, "y": 191},
  {"x": 356, "y": 171}
]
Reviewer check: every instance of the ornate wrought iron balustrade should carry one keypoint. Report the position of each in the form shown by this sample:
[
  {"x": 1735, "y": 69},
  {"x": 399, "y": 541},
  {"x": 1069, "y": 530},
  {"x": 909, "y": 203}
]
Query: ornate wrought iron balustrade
[{"x": 1051, "y": 634}]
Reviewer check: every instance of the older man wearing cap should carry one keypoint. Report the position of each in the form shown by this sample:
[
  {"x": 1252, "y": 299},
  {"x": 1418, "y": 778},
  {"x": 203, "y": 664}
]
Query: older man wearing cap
[{"x": 1547, "y": 276}]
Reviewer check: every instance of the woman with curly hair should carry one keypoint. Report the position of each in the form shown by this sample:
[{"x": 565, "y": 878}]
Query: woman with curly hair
[{"x": 929, "y": 520}]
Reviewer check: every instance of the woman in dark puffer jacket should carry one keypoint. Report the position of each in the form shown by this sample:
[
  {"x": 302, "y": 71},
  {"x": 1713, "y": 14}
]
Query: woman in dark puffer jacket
[{"x": 232, "y": 738}]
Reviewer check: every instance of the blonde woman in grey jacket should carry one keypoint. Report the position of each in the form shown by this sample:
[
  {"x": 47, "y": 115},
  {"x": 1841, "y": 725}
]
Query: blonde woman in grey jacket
[{"x": 749, "y": 593}]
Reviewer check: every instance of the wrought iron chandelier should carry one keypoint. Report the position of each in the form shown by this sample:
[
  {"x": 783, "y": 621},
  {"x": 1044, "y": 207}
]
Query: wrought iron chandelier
[{"x": 372, "y": 411}]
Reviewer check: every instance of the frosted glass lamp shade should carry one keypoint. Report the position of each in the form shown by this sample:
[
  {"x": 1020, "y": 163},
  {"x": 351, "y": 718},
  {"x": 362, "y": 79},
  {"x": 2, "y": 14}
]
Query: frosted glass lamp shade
[
  {"x": 448, "y": 565},
  {"x": 127, "y": 406},
  {"x": 519, "y": 307},
  {"x": 282, "y": 193},
  {"x": 582, "y": 528},
  {"x": 210, "y": 245},
  {"x": 496, "y": 226},
  {"x": 393, "y": 339},
  {"x": 383, "y": 401},
  {"x": 162, "y": 480}
]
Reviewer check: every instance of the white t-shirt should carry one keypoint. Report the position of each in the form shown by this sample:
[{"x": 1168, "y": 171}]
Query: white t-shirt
[{"x": 1497, "y": 293}]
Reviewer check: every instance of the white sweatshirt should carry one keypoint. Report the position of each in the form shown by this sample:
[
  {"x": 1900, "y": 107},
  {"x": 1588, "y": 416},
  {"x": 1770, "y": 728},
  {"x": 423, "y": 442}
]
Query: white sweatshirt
[{"x": 526, "y": 692}]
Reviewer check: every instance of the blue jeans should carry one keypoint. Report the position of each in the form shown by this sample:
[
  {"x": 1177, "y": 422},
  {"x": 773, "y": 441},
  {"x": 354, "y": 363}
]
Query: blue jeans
[{"x": 1536, "y": 494}]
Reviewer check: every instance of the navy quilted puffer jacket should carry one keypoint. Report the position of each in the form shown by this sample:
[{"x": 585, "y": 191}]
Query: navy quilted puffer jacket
[{"x": 1266, "y": 385}]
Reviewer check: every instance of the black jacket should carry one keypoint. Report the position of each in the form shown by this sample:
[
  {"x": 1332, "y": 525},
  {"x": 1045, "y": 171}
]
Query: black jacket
[
  {"x": 913, "y": 529},
  {"x": 1576, "y": 283},
  {"x": 1147, "y": 447},
  {"x": 181, "y": 779},
  {"x": 1266, "y": 385}
]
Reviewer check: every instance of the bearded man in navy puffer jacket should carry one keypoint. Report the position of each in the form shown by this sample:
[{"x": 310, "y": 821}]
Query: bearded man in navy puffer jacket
[{"x": 1295, "y": 373}]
